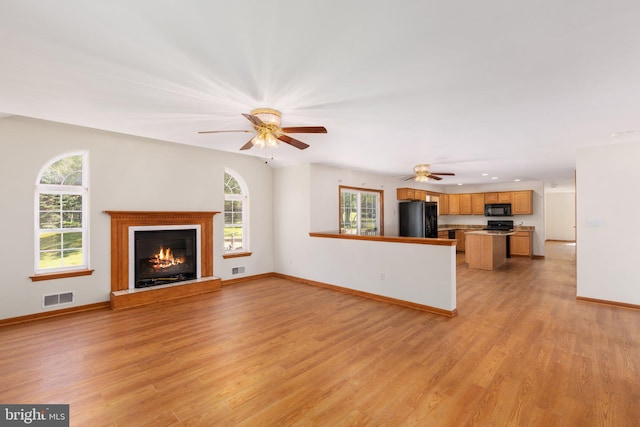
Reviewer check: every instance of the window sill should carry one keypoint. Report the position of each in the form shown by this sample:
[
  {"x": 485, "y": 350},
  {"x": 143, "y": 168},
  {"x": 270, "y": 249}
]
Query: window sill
[
  {"x": 60, "y": 275},
  {"x": 236, "y": 255}
]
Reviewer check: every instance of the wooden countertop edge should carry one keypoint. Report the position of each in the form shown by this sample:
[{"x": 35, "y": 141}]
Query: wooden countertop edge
[{"x": 414, "y": 240}]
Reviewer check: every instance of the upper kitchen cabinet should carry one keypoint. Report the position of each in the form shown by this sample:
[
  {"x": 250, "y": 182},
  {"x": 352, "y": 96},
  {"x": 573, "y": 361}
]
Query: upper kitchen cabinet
[
  {"x": 443, "y": 204},
  {"x": 477, "y": 203},
  {"x": 522, "y": 202},
  {"x": 471, "y": 203},
  {"x": 411, "y": 194},
  {"x": 454, "y": 204},
  {"x": 406, "y": 194},
  {"x": 501, "y": 197},
  {"x": 504, "y": 197},
  {"x": 490, "y": 198},
  {"x": 465, "y": 204}
]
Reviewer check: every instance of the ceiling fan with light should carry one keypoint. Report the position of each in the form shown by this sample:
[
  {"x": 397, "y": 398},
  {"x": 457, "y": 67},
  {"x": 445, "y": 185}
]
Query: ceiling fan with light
[
  {"x": 422, "y": 174},
  {"x": 266, "y": 125}
]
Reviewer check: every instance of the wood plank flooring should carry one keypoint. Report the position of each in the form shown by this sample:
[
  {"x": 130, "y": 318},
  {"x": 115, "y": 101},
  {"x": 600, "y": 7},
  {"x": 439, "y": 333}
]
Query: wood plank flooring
[{"x": 521, "y": 352}]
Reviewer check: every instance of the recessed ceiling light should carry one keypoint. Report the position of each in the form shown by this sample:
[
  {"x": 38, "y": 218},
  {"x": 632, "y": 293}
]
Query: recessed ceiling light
[
  {"x": 494, "y": 177},
  {"x": 624, "y": 132},
  {"x": 459, "y": 183},
  {"x": 517, "y": 180},
  {"x": 485, "y": 174}
]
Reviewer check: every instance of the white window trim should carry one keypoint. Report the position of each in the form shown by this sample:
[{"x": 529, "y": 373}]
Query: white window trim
[
  {"x": 359, "y": 192},
  {"x": 244, "y": 198},
  {"x": 83, "y": 190}
]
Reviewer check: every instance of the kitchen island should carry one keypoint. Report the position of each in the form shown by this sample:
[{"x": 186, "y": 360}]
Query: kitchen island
[{"x": 486, "y": 249}]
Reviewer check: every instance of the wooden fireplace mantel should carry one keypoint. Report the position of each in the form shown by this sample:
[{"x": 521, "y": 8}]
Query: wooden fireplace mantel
[{"x": 121, "y": 297}]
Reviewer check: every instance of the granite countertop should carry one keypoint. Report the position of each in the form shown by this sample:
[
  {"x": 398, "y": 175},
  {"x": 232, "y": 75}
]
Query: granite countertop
[
  {"x": 470, "y": 227},
  {"x": 447, "y": 227}
]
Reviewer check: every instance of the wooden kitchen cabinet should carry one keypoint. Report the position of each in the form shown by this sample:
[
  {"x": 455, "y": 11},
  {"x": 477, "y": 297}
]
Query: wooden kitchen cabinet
[
  {"x": 443, "y": 234},
  {"x": 460, "y": 239},
  {"x": 406, "y": 194},
  {"x": 504, "y": 197},
  {"x": 471, "y": 203},
  {"x": 465, "y": 204},
  {"x": 477, "y": 204},
  {"x": 454, "y": 204},
  {"x": 521, "y": 244},
  {"x": 443, "y": 204},
  {"x": 490, "y": 198},
  {"x": 522, "y": 202}
]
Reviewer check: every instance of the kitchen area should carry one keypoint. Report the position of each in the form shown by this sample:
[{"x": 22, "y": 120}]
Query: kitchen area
[{"x": 492, "y": 226}]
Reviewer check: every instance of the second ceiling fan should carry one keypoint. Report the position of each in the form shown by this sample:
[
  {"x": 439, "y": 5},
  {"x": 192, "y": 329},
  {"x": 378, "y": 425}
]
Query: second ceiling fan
[
  {"x": 266, "y": 124},
  {"x": 422, "y": 174}
]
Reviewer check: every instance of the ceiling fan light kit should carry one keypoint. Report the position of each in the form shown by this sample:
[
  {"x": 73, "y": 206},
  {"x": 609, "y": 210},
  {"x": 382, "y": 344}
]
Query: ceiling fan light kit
[{"x": 265, "y": 139}]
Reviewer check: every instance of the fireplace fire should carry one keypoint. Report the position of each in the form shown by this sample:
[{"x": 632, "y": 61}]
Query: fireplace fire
[
  {"x": 164, "y": 256},
  {"x": 165, "y": 259}
]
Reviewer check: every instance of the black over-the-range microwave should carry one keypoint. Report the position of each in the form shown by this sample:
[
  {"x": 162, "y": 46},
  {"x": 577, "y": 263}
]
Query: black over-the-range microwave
[{"x": 498, "y": 209}]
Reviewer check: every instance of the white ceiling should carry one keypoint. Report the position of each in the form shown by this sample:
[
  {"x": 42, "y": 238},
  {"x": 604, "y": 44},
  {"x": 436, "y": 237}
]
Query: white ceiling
[{"x": 508, "y": 88}]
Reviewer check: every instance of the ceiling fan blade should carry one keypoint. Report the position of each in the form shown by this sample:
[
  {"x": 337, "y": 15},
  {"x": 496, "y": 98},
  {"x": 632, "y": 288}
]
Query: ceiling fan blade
[
  {"x": 431, "y": 176},
  {"x": 247, "y": 145},
  {"x": 291, "y": 141},
  {"x": 443, "y": 173},
  {"x": 305, "y": 129},
  {"x": 222, "y": 131},
  {"x": 253, "y": 119},
  {"x": 410, "y": 178}
]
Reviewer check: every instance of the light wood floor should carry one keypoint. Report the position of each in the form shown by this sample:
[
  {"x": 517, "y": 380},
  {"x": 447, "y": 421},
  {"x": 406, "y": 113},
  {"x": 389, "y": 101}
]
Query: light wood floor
[{"x": 522, "y": 351}]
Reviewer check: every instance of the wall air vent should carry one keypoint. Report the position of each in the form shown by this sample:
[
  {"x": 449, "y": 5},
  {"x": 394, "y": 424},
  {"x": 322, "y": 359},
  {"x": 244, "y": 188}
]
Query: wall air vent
[
  {"x": 57, "y": 299},
  {"x": 237, "y": 270}
]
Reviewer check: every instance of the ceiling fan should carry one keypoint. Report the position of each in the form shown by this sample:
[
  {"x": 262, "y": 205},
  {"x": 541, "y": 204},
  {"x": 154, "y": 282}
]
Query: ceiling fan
[
  {"x": 266, "y": 125},
  {"x": 422, "y": 174}
]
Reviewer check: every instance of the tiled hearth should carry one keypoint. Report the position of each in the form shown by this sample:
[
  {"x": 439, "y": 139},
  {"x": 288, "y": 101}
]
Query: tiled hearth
[{"x": 121, "y": 294}]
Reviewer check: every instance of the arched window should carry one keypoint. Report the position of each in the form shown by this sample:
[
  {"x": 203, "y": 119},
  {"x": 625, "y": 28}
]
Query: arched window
[
  {"x": 236, "y": 213},
  {"x": 61, "y": 221}
]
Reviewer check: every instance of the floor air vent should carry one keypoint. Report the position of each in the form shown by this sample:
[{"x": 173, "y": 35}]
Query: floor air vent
[
  {"x": 237, "y": 270},
  {"x": 57, "y": 299}
]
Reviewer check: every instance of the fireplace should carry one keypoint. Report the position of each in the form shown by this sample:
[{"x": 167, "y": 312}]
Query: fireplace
[
  {"x": 163, "y": 256},
  {"x": 125, "y": 224}
]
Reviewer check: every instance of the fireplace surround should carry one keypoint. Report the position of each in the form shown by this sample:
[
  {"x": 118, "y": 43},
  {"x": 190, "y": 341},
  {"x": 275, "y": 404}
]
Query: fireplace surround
[{"x": 126, "y": 223}]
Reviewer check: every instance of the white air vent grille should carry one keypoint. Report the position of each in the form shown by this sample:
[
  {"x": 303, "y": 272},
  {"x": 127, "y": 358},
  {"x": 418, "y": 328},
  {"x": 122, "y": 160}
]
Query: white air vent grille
[
  {"x": 57, "y": 299},
  {"x": 237, "y": 270}
]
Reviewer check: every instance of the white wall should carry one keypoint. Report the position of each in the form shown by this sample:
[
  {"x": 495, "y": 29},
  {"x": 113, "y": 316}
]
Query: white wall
[
  {"x": 560, "y": 216},
  {"x": 607, "y": 254},
  {"x": 325, "y": 198},
  {"x": 292, "y": 220},
  {"x": 422, "y": 274},
  {"x": 125, "y": 173},
  {"x": 536, "y": 220},
  {"x": 306, "y": 199}
]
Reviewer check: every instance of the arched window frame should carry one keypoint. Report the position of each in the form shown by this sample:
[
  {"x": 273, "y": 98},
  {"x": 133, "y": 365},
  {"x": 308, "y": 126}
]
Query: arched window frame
[
  {"x": 82, "y": 190},
  {"x": 243, "y": 198}
]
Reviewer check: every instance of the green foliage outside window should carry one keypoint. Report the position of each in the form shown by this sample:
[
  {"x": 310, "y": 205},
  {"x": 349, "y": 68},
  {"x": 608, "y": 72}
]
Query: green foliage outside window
[
  {"x": 359, "y": 211},
  {"x": 233, "y": 215},
  {"x": 60, "y": 215}
]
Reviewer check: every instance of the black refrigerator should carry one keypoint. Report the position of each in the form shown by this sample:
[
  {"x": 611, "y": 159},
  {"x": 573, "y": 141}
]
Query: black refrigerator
[{"x": 418, "y": 219}]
